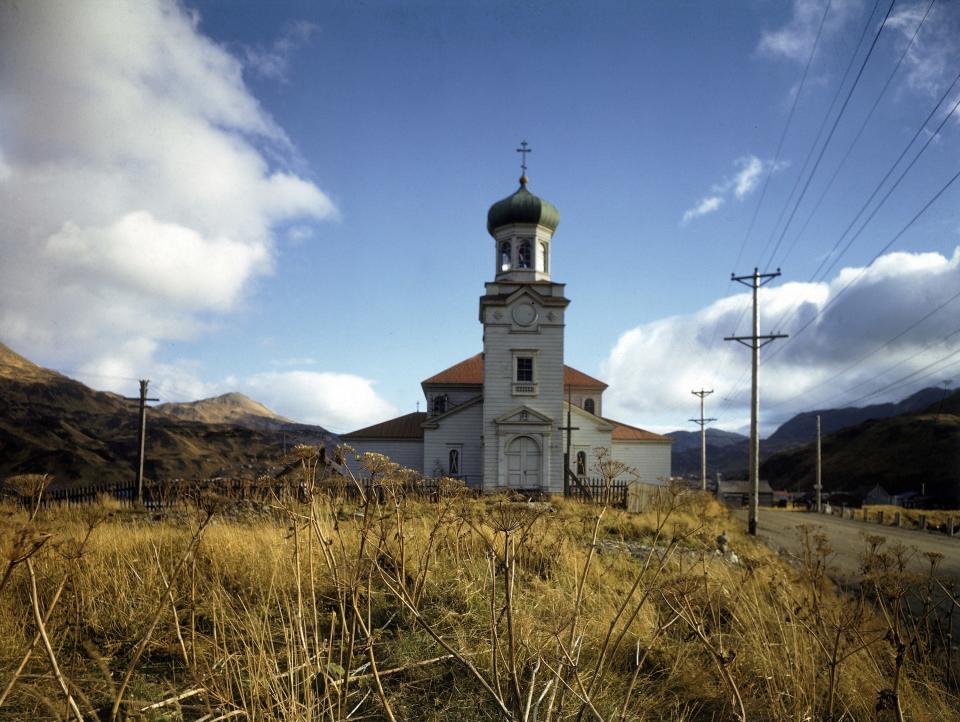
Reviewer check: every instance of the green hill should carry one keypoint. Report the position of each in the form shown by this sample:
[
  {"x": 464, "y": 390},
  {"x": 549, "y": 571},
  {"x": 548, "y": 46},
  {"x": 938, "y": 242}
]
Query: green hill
[{"x": 900, "y": 453}]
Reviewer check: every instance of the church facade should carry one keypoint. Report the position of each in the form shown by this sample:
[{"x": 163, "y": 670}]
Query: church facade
[{"x": 499, "y": 419}]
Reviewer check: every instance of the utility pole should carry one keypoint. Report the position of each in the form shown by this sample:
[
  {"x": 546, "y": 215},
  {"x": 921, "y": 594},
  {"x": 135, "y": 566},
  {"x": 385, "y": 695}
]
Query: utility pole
[
  {"x": 819, "y": 485},
  {"x": 703, "y": 437},
  {"x": 569, "y": 428},
  {"x": 141, "y": 434},
  {"x": 755, "y": 342}
]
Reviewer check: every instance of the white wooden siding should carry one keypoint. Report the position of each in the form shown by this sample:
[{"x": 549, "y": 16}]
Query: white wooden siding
[
  {"x": 461, "y": 428},
  {"x": 406, "y": 452},
  {"x": 500, "y": 338},
  {"x": 651, "y": 459}
]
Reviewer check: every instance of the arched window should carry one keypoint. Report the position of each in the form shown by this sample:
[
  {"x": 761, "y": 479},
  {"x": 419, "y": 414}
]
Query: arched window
[
  {"x": 589, "y": 407},
  {"x": 524, "y": 255},
  {"x": 505, "y": 256},
  {"x": 453, "y": 465},
  {"x": 545, "y": 255},
  {"x": 439, "y": 403},
  {"x": 581, "y": 463}
]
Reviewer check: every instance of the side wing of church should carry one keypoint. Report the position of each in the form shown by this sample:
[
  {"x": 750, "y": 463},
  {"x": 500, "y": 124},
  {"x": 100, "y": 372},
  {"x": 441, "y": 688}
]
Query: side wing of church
[{"x": 499, "y": 419}]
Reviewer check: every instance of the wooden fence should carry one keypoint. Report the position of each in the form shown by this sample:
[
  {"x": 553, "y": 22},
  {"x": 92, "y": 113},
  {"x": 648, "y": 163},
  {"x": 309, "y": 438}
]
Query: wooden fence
[
  {"x": 158, "y": 495},
  {"x": 598, "y": 491}
]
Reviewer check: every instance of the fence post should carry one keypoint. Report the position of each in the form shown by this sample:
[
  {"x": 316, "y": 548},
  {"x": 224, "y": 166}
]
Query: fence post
[
  {"x": 923, "y": 522},
  {"x": 896, "y": 519},
  {"x": 880, "y": 517},
  {"x": 951, "y": 526}
]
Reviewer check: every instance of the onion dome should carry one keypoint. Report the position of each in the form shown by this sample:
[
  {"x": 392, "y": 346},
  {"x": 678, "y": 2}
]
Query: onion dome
[{"x": 522, "y": 207}]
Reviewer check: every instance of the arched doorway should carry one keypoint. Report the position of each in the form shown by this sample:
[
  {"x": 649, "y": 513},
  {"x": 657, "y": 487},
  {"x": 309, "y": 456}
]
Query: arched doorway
[{"x": 523, "y": 462}]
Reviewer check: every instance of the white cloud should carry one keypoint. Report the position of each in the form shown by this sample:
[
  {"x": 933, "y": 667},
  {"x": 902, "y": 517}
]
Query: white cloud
[
  {"x": 338, "y": 402},
  {"x": 749, "y": 171},
  {"x": 139, "y": 201},
  {"x": 795, "y": 39},
  {"x": 747, "y": 178},
  {"x": 932, "y": 58},
  {"x": 653, "y": 367},
  {"x": 705, "y": 206},
  {"x": 273, "y": 61}
]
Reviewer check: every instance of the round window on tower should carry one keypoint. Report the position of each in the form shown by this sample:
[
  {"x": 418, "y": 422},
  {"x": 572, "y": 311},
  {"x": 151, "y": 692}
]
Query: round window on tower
[{"x": 505, "y": 256}]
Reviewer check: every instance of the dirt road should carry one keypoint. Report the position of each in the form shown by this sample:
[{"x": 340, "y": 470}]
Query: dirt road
[{"x": 779, "y": 530}]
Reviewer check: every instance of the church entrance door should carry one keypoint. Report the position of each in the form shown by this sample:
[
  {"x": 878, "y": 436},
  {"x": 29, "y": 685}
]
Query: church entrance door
[{"x": 523, "y": 462}]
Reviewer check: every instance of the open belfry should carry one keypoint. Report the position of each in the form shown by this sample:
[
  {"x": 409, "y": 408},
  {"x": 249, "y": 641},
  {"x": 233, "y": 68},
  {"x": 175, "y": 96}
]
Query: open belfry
[{"x": 499, "y": 419}]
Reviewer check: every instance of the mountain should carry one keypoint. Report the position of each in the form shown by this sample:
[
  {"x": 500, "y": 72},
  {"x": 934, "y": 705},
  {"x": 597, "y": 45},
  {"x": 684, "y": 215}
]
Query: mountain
[
  {"x": 802, "y": 428},
  {"x": 52, "y": 424},
  {"x": 232, "y": 408},
  {"x": 728, "y": 452},
  {"x": 900, "y": 453},
  {"x": 716, "y": 439}
]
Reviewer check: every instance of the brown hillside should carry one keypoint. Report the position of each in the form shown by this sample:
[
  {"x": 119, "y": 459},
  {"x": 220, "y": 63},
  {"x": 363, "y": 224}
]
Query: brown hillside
[
  {"x": 52, "y": 424},
  {"x": 232, "y": 408}
]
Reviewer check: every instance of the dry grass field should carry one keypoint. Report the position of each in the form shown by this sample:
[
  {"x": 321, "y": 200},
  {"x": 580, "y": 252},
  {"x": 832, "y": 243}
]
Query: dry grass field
[{"x": 391, "y": 607}]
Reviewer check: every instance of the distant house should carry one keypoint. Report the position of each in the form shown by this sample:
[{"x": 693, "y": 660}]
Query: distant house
[
  {"x": 738, "y": 493},
  {"x": 878, "y": 495}
]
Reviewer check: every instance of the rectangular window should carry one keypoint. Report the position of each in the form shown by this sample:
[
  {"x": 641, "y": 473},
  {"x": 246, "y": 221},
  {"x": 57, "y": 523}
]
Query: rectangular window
[{"x": 524, "y": 369}]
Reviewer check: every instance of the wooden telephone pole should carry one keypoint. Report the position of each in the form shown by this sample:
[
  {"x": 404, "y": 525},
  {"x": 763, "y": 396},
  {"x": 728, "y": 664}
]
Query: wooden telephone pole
[
  {"x": 819, "y": 484},
  {"x": 755, "y": 342},
  {"x": 141, "y": 434},
  {"x": 703, "y": 437}
]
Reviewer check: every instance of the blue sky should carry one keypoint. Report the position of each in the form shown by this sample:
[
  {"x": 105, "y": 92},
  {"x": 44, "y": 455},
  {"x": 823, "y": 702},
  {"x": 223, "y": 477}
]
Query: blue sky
[{"x": 294, "y": 194}]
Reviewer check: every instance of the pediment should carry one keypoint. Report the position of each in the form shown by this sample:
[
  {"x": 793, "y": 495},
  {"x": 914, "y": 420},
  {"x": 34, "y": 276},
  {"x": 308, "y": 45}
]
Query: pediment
[
  {"x": 585, "y": 417},
  {"x": 524, "y": 415}
]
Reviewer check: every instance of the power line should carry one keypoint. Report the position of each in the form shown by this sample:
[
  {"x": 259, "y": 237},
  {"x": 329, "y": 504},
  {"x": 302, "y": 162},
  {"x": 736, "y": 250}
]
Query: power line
[
  {"x": 879, "y": 253},
  {"x": 899, "y": 363},
  {"x": 833, "y": 128},
  {"x": 836, "y": 257},
  {"x": 859, "y": 133},
  {"x": 856, "y": 278},
  {"x": 823, "y": 124},
  {"x": 776, "y": 158},
  {"x": 875, "y": 351}
]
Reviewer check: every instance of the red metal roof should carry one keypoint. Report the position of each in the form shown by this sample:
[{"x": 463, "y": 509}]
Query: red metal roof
[
  {"x": 470, "y": 372},
  {"x": 625, "y": 432},
  {"x": 402, "y": 427}
]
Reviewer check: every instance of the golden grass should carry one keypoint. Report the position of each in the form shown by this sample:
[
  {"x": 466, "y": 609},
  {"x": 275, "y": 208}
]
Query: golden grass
[
  {"x": 459, "y": 609},
  {"x": 911, "y": 517}
]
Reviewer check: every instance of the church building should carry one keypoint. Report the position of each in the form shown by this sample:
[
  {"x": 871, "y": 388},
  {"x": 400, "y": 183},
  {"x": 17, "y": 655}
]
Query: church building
[{"x": 499, "y": 419}]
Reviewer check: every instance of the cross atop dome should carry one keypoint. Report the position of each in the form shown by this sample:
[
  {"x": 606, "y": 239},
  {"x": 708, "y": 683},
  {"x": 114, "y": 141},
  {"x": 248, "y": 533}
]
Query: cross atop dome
[{"x": 523, "y": 149}]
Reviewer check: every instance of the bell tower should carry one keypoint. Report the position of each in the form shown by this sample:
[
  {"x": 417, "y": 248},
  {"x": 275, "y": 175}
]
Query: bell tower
[{"x": 522, "y": 313}]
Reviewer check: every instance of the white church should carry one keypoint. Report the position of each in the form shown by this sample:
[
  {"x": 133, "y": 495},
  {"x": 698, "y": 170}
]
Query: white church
[{"x": 499, "y": 419}]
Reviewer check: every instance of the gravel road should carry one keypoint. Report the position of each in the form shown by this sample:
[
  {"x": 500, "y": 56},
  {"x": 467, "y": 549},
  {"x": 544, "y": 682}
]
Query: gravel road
[{"x": 779, "y": 530}]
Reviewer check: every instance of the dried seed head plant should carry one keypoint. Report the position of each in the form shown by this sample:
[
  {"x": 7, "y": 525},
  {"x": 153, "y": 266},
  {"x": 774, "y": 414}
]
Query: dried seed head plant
[{"x": 419, "y": 601}]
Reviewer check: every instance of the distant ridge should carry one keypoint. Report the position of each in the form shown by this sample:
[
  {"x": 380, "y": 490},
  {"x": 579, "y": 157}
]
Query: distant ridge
[
  {"x": 231, "y": 408},
  {"x": 52, "y": 424}
]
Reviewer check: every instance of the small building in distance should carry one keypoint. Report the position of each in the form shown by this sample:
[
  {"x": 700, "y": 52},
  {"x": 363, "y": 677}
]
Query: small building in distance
[{"x": 737, "y": 493}]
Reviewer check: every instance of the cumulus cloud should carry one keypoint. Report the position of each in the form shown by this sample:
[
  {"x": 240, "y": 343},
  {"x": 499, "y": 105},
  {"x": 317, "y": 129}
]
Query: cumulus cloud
[
  {"x": 653, "y": 367},
  {"x": 337, "y": 401},
  {"x": 794, "y": 40},
  {"x": 748, "y": 172},
  {"x": 139, "y": 201}
]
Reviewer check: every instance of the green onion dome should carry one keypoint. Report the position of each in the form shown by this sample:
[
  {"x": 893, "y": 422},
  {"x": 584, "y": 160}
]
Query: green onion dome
[{"x": 522, "y": 207}]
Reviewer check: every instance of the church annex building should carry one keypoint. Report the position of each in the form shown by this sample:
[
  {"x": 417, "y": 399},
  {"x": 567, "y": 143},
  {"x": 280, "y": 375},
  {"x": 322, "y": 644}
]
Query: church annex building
[{"x": 496, "y": 420}]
